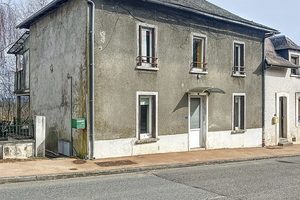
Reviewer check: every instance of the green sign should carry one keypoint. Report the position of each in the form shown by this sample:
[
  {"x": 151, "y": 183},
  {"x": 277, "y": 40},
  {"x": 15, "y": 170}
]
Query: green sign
[{"x": 79, "y": 123}]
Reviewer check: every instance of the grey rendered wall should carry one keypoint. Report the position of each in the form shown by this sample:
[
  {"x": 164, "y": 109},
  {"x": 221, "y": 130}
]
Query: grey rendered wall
[
  {"x": 117, "y": 81},
  {"x": 58, "y": 47}
]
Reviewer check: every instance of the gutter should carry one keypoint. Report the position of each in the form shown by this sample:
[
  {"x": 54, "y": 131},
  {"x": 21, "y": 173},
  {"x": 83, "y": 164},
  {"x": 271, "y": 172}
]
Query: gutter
[{"x": 91, "y": 25}]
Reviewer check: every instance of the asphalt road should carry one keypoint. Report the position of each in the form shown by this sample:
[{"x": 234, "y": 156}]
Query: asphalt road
[{"x": 265, "y": 179}]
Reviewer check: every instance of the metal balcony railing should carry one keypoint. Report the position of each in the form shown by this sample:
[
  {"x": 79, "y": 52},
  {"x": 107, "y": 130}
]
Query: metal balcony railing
[
  {"x": 146, "y": 60},
  {"x": 199, "y": 65},
  {"x": 239, "y": 71}
]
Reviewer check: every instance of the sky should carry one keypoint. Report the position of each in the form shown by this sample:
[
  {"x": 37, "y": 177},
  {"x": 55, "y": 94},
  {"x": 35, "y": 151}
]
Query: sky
[{"x": 278, "y": 14}]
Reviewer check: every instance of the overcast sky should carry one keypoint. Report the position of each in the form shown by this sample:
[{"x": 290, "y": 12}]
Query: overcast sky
[{"x": 279, "y": 14}]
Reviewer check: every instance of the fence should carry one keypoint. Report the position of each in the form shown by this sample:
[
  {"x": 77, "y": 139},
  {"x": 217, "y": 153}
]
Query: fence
[{"x": 18, "y": 132}]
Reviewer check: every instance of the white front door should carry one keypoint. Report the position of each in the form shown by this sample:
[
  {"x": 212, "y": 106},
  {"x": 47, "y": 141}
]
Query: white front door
[{"x": 196, "y": 130}]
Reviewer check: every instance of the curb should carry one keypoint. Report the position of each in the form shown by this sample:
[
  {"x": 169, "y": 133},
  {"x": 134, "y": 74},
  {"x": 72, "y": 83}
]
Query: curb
[{"x": 19, "y": 179}]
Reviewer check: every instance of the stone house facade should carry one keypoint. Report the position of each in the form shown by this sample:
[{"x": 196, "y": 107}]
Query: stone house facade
[{"x": 148, "y": 76}]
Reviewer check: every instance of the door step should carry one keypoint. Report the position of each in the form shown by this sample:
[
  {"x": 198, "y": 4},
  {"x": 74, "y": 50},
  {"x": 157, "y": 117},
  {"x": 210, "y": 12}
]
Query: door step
[
  {"x": 283, "y": 142},
  {"x": 198, "y": 149}
]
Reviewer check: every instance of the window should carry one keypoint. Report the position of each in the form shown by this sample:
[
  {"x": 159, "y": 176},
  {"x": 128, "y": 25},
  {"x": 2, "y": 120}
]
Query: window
[
  {"x": 199, "y": 51},
  {"x": 147, "y": 115},
  {"x": 238, "y": 112},
  {"x": 239, "y": 59},
  {"x": 146, "y": 47},
  {"x": 295, "y": 60}
]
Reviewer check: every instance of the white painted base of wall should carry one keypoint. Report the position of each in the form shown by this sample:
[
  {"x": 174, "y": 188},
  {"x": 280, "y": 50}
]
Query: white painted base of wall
[
  {"x": 127, "y": 147},
  {"x": 227, "y": 139},
  {"x": 176, "y": 143}
]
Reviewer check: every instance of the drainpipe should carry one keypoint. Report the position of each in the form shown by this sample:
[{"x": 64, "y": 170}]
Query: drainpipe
[
  {"x": 263, "y": 92},
  {"x": 263, "y": 70},
  {"x": 91, "y": 77},
  {"x": 71, "y": 111}
]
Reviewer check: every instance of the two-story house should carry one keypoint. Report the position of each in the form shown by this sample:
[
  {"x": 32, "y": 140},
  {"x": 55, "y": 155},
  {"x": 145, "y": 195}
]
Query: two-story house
[
  {"x": 282, "y": 91},
  {"x": 149, "y": 76}
]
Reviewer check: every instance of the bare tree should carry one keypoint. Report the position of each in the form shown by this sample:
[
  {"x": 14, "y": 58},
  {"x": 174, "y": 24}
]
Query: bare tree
[{"x": 11, "y": 13}]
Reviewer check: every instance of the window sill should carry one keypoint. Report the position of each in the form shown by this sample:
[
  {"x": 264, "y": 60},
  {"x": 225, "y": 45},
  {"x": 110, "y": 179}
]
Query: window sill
[
  {"x": 239, "y": 75},
  {"x": 238, "y": 131},
  {"x": 146, "y": 141},
  {"x": 296, "y": 76},
  {"x": 147, "y": 68},
  {"x": 198, "y": 71}
]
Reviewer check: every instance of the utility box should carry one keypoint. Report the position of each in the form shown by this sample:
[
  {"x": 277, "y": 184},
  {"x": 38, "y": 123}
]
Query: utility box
[
  {"x": 79, "y": 123},
  {"x": 275, "y": 120}
]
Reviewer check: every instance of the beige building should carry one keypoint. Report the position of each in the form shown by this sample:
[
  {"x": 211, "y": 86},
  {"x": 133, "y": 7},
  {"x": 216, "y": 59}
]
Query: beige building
[{"x": 282, "y": 91}]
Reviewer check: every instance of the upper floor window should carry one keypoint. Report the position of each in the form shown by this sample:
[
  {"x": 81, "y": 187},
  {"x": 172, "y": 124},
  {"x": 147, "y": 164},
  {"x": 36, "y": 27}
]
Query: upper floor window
[
  {"x": 146, "y": 47},
  {"x": 239, "y": 59},
  {"x": 199, "y": 55},
  {"x": 295, "y": 60}
]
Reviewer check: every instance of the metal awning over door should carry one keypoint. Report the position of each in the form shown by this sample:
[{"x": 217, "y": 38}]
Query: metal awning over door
[{"x": 208, "y": 90}]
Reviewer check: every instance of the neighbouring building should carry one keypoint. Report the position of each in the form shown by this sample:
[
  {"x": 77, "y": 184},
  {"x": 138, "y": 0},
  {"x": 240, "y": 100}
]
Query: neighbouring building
[
  {"x": 21, "y": 51},
  {"x": 282, "y": 91},
  {"x": 149, "y": 76}
]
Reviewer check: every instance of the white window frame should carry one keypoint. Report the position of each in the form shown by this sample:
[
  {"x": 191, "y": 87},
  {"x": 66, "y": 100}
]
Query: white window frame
[
  {"x": 138, "y": 94},
  {"x": 194, "y": 70},
  {"x": 245, "y": 112},
  {"x": 146, "y": 66},
  {"x": 292, "y": 53},
  {"x": 238, "y": 73},
  {"x": 297, "y": 97}
]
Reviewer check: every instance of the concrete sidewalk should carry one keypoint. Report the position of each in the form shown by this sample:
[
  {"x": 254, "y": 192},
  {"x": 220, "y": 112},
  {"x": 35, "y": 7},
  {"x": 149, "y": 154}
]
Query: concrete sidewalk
[{"x": 44, "y": 169}]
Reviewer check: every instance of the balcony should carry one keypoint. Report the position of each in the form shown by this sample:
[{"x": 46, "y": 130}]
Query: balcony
[
  {"x": 198, "y": 68},
  {"x": 239, "y": 71},
  {"x": 146, "y": 62},
  {"x": 21, "y": 82}
]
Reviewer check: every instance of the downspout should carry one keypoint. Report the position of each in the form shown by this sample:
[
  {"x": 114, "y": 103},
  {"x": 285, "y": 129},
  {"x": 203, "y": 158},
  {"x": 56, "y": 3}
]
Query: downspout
[
  {"x": 263, "y": 91},
  {"x": 91, "y": 77},
  {"x": 263, "y": 70}
]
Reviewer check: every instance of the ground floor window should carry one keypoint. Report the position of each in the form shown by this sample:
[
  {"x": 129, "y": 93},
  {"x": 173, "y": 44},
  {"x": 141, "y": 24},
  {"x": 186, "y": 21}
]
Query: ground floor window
[
  {"x": 146, "y": 115},
  {"x": 239, "y": 112}
]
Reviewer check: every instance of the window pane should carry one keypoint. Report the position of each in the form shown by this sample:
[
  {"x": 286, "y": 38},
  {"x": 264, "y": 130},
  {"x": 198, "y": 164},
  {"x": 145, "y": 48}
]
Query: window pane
[
  {"x": 144, "y": 115},
  {"x": 198, "y": 52},
  {"x": 242, "y": 112},
  {"x": 295, "y": 60},
  {"x": 236, "y": 55},
  {"x": 153, "y": 121},
  {"x": 236, "y": 112},
  {"x": 239, "y": 112},
  {"x": 147, "y": 47},
  {"x": 195, "y": 113},
  {"x": 242, "y": 55}
]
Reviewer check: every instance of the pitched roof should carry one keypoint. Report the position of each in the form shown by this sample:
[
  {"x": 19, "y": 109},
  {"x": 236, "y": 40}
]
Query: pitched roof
[
  {"x": 201, "y": 7},
  {"x": 204, "y": 7},
  {"x": 273, "y": 59},
  {"x": 282, "y": 42}
]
